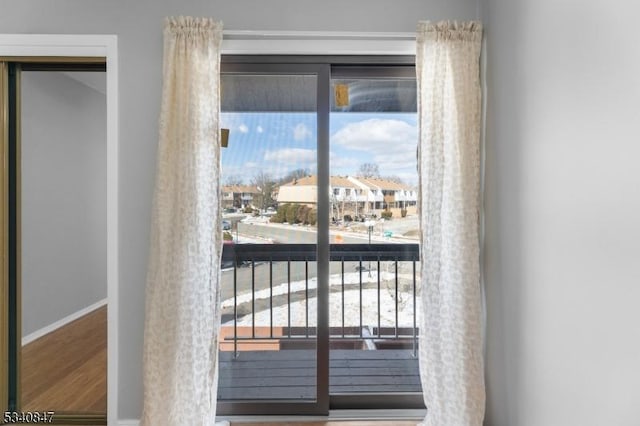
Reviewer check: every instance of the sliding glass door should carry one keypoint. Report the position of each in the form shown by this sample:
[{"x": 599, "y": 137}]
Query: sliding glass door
[
  {"x": 272, "y": 349},
  {"x": 374, "y": 228},
  {"x": 318, "y": 303}
]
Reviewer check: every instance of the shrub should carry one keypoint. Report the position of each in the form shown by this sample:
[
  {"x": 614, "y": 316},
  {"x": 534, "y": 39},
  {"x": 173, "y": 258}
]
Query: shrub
[
  {"x": 276, "y": 219},
  {"x": 347, "y": 218},
  {"x": 403, "y": 212},
  {"x": 312, "y": 217},
  {"x": 248, "y": 209},
  {"x": 292, "y": 213},
  {"x": 226, "y": 236},
  {"x": 282, "y": 210},
  {"x": 386, "y": 214},
  {"x": 280, "y": 215},
  {"x": 302, "y": 213}
]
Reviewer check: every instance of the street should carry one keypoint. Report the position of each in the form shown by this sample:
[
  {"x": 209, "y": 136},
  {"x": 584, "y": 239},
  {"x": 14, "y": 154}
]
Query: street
[{"x": 280, "y": 271}]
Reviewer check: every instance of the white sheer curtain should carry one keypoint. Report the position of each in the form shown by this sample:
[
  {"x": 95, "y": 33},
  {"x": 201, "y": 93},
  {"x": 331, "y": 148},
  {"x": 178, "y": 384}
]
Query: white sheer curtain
[
  {"x": 182, "y": 298},
  {"x": 451, "y": 362}
]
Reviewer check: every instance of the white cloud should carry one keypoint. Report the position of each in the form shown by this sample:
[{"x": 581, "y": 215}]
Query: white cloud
[
  {"x": 259, "y": 129},
  {"x": 301, "y": 132},
  {"x": 279, "y": 162},
  {"x": 291, "y": 155},
  {"x": 243, "y": 128},
  {"x": 244, "y": 171},
  {"x": 340, "y": 162},
  {"x": 391, "y": 144}
]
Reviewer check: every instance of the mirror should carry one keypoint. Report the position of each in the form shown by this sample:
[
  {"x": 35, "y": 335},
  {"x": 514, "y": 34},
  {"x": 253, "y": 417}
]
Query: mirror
[{"x": 61, "y": 252}]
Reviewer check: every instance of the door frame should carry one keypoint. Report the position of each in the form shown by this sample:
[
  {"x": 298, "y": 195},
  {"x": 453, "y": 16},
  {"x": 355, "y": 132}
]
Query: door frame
[
  {"x": 325, "y": 67},
  {"x": 52, "y": 48}
]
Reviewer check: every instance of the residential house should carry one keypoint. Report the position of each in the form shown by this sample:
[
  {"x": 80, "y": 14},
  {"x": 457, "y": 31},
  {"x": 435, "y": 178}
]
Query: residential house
[
  {"x": 303, "y": 191},
  {"x": 351, "y": 195},
  {"x": 238, "y": 196},
  {"x": 388, "y": 194},
  {"x": 344, "y": 196}
]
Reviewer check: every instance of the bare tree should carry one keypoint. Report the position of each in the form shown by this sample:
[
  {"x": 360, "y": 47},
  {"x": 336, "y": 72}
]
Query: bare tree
[
  {"x": 369, "y": 170},
  {"x": 233, "y": 180},
  {"x": 394, "y": 178},
  {"x": 295, "y": 174},
  {"x": 265, "y": 184}
]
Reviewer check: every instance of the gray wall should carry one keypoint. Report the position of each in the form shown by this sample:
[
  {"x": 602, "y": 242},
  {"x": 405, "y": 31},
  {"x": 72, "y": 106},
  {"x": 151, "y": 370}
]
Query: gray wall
[
  {"x": 138, "y": 25},
  {"x": 63, "y": 198},
  {"x": 562, "y": 207}
]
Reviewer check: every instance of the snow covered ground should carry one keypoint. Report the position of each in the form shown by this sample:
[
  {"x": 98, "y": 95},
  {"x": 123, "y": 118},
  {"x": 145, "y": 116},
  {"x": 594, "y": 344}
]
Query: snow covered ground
[{"x": 351, "y": 303}]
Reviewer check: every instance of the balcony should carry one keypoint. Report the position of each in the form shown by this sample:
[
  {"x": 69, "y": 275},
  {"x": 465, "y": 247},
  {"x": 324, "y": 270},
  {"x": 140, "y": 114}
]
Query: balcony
[{"x": 269, "y": 331}]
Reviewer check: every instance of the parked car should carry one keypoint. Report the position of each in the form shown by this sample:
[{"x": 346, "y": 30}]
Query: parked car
[{"x": 226, "y": 225}]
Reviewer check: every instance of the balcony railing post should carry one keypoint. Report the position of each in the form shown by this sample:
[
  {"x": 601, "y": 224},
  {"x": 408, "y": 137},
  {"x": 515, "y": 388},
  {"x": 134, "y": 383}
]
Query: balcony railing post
[
  {"x": 271, "y": 298},
  {"x": 396, "y": 298},
  {"x": 253, "y": 299},
  {"x": 342, "y": 264},
  {"x": 378, "y": 265},
  {"x": 360, "y": 268},
  {"x": 415, "y": 337},
  {"x": 289, "y": 297},
  {"x": 235, "y": 309},
  {"x": 306, "y": 297}
]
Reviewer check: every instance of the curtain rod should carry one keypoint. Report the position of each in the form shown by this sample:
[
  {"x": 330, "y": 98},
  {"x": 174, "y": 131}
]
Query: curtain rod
[{"x": 316, "y": 35}]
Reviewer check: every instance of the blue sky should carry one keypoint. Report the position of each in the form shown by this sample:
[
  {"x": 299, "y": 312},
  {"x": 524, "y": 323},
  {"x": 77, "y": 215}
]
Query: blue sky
[{"x": 278, "y": 143}]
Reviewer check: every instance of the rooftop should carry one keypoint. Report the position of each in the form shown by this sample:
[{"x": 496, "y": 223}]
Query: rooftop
[{"x": 345, "y": 182}]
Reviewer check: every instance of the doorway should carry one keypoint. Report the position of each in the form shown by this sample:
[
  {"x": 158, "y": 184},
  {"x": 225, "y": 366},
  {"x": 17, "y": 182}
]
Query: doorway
[{"x": 319, "y": 284}]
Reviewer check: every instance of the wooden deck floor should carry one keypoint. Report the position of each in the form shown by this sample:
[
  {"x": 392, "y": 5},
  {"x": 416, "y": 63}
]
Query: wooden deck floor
[{"x": 291, "y": 374}]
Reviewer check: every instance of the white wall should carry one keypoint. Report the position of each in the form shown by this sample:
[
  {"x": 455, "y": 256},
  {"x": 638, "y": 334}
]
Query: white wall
[
  {"x": 63, "y": 198},
  {"x": 562, "y": 206},
  {"x": 138, "y": 25}
]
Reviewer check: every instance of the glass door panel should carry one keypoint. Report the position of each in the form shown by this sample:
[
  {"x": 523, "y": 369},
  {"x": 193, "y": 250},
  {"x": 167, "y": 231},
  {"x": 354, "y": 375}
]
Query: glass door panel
[
  {"x": 374, "y": 230},
  {"x": 269, "y": 334}
]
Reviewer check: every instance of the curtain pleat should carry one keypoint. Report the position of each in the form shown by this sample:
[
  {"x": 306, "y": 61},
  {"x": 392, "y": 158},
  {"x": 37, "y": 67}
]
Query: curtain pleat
[
  {"x": 182, "y": 315},
  {"x": 451, "y": 354}
]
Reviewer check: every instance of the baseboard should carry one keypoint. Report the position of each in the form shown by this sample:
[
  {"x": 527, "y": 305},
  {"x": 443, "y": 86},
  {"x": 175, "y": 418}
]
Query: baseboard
[{"x": 60, "y": 323}]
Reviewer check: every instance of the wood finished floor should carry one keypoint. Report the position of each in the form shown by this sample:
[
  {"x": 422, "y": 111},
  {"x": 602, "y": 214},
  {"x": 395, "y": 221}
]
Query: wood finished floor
[{"x": 66, "y": 370}]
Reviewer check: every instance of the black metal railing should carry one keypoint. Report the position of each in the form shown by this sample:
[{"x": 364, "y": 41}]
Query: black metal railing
[{"x": 360, "y": 257}]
